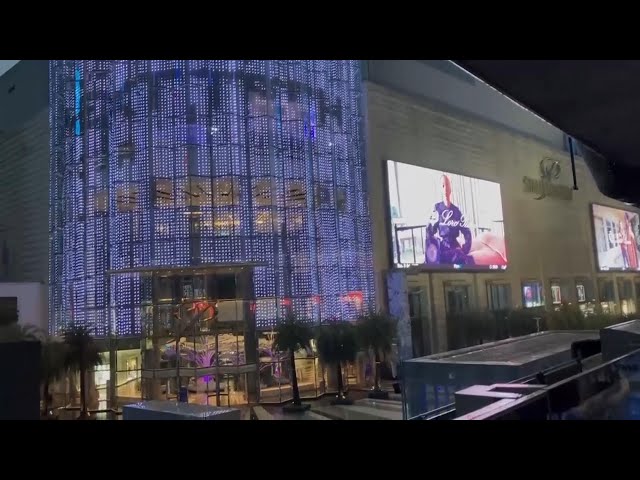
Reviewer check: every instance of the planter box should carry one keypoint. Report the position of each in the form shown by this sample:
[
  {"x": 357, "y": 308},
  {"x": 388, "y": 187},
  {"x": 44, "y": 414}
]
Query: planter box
[{"x": 166, "y": 410}]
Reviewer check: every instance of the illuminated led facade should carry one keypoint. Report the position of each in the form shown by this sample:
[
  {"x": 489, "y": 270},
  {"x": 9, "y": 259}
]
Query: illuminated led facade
[{"x": 181, "y": 163}]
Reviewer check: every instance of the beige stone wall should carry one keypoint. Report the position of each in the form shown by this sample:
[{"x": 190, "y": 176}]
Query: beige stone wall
[{"x": 547, "y": 239}]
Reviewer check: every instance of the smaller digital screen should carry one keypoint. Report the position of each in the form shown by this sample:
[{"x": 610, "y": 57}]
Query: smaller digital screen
[
  {"x": 617, "y": 235},
  {"x": 582, "y": 297},
  {"x": 556, "y": 294},
  {"x": 533, "y": 295}
]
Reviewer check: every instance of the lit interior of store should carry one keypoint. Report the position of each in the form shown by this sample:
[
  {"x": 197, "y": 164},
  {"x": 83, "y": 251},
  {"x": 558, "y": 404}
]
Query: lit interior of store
[{"x": 199, "y": 326}]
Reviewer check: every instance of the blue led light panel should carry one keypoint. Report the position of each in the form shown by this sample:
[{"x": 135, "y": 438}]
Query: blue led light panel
[{"x": 179, "y": 163}]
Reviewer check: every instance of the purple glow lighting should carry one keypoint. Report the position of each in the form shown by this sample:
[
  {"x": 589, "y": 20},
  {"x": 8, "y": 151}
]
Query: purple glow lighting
[{"x": 179, "y": 163}]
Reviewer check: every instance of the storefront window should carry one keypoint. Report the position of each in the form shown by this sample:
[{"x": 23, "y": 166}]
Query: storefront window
[
  {"x": 499, "y": 296},
  {"x": 127, "y": 197},
  {"x": 585, "y": 295},
  {"x": 101, "y": 378},
  {"x": 625, "y": 292},
  {"x": 458, "y": 298},
  {"x": 164, "y": 289},
  {"x": 532, "y": 294},
  {"x": 607, "y": 295},
  {"x": 196, "y": 338},
  {"x": 128, "y": 379}
]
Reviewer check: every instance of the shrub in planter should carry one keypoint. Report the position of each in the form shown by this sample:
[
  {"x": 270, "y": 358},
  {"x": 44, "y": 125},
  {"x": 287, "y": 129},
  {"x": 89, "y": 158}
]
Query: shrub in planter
[
  {"x": 501, "y": 321},
  {"x": 567, "y": 317},
  {"x": 524, "y": 321},
  {"x": 482, "y": 326},
  {"x": 456, "y": 335},
  {"x": 603, "y": 320},
  {"x": 470, "y": 328}
]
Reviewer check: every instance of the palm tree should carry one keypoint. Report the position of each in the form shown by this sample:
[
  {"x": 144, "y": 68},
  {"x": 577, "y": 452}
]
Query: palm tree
[
  {"x": 292, "y": 335},
  {"x": 81, "y": 355},
  {"x": 337, "y": 343},
  {"x": 376, "y": 331},
  {"x": 14, "y": 332},
  {"x": 53, "y": 350}
]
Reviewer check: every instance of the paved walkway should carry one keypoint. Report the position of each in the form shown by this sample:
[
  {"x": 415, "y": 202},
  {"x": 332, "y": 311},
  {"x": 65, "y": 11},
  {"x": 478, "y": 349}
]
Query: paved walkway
[{"x": 321, "y": 409}]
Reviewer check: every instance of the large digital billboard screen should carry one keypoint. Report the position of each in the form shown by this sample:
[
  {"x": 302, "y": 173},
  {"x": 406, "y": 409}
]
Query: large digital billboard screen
[
  {"x": 441, "y": 220},
  {"x": 617, "y": 238}
]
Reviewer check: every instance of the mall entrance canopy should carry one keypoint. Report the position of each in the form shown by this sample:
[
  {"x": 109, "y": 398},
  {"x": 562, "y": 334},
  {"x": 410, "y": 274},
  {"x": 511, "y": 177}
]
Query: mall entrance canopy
[{"x": 593, "y": 101}]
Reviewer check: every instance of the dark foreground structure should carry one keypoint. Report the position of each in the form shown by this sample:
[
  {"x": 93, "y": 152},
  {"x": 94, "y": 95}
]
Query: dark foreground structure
[
  {"x": 610, "y": 391},
  {"x": 20, "y": 371},
  {"x": 432, "y": 382},
  {"x": 600, "y": 382}
]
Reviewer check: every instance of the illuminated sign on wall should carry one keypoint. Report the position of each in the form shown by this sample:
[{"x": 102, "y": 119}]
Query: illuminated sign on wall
[
  {"x": 617, "y": 236},
  {"x": 545, "y": 186}
]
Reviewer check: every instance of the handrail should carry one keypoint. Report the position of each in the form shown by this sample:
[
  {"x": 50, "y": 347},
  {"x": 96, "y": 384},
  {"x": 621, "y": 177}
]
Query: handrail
[
  {"x": 614, "y": 386},
  {"x": 413, "y": 241},
  {"x": 436, "y": 413}
]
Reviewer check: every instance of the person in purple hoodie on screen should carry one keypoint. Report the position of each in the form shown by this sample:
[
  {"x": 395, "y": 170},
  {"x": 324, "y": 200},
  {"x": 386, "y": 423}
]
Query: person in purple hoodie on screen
[{"x": 446, "y": 225}]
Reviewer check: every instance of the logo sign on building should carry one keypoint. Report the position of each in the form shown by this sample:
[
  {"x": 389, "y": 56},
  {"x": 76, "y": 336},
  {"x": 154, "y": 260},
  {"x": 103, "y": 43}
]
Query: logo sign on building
[{"x": 546, "y": 185}]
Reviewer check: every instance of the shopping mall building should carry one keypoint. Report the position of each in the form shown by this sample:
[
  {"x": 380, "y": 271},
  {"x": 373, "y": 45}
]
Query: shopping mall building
[{"x": 205, "y": 200}]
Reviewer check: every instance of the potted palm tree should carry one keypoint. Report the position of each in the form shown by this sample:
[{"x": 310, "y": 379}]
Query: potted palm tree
[
  {"x": 52, "y": 366},
  {"x": 81, "y": 356},
  {"x": 376, "y": 331},
  {"x": 292, "y": 335},
  {"x": 14, "y": 332},
  {"x": 337, "y": 343}
]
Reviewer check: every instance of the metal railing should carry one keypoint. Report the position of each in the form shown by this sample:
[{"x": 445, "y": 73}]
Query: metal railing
[
  {"x": 414, "y": 244},
  {"x": 447, "y": 412},
  {"x": 599, "y": 393}
]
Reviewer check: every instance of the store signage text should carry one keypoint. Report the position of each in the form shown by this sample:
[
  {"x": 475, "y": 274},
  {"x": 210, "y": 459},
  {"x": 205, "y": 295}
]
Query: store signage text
[{"x": 544, "y": 186}]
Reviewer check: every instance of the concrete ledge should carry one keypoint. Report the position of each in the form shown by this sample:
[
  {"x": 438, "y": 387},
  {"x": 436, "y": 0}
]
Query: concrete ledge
[
  {"x": 357, "y": 412},
  {"x": 311, "y": 415},
  {"x": 261, "y": 414},
  {"x": 293, "y": 408}
]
